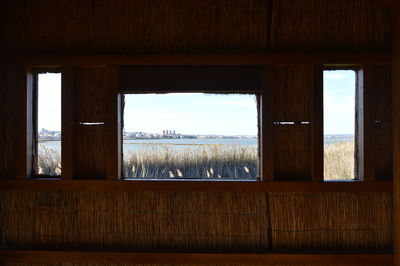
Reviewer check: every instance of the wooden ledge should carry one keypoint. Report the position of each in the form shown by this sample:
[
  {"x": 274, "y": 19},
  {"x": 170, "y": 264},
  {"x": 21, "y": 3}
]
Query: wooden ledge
[
  {"x": 46, "y": 60},
  {"x": 193, "y": 258},
  {"x": 194, "y": 186}
]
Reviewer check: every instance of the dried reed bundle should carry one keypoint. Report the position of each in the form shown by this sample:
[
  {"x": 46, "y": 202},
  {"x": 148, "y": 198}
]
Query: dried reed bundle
[{"x": 205, "y": 161}]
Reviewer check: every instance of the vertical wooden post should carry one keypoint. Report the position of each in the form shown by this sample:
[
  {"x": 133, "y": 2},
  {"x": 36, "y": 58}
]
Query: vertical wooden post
[
  {"x": 112, "y": 127},
  {"x": 396, "y": 133},
  {"x": 24, "y": 124},
  {"x": 366, "y": 107},
  {"x": 68, "y": 122},
  {"x": 317, "y": 138},
  {"x": 267, "y": 123}
]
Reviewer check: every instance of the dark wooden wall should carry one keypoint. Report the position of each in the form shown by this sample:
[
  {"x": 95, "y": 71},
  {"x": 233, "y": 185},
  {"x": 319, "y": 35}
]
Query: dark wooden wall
[
  {"x": 193, "y": 26},
  {"x": 355, "y": 222}
]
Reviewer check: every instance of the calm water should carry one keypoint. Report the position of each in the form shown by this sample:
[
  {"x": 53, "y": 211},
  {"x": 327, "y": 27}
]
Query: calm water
[
  {"x": 331, "y": 139},
  {"x": 180, "y": 144},
  {"x": 184, "y": 144}
]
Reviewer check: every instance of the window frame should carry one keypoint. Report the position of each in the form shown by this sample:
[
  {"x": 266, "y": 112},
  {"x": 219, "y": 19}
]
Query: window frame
[
  {"x": 207, "y": 79},
  {"x": 35, "y": 72},
  {"x": 266, "y": 172},
  {"x": 359, "y": 118},
  {"x": 227, "y": 92}
]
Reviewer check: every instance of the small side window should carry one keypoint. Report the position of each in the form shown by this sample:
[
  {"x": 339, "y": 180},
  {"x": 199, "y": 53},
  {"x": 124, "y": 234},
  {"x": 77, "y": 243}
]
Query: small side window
[
  {"x": 339, "y": 125},
  {"x": 47, "y": 124}
]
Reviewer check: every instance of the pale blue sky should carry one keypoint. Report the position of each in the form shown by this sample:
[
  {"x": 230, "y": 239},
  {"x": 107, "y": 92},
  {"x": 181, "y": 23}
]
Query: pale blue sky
[
  {"x": 339, "y": 102},
  {"x": 49, "y": 97},
  {"x": 191, "y": 113},
  {"x": 197, "y": 113}
]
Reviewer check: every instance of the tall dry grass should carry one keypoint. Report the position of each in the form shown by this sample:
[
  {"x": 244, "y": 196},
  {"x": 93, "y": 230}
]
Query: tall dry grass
[
  {"x": 48, "y": 161},
  {"x": 339, "y": 161},
  {"x": 205, "y": 162}
]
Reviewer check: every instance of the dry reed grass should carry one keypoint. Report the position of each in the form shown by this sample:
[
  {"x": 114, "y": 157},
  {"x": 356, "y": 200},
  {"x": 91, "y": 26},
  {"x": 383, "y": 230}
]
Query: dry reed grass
[
  {"x": 339, "y": 161},
  {"x": 202, "y": 161},
  {"x": 206, "y": 162},
  {"x": 49, "y": 161}
]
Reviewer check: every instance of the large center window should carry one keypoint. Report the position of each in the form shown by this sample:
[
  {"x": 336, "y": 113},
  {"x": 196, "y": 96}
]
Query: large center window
[{"x": 190, "y": 136}]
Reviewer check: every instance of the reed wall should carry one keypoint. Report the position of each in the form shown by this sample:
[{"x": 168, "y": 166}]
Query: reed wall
[
  {"x": 196, "y": 221},
  {"x": 192, "y": 26},
  {"x": 91, "y": 83},
  {"x": 292, "y": 102}
]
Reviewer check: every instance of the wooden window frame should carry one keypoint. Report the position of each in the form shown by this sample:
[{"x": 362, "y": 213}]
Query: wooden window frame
[
  {"x": 358, "y": 120},
  {"x": 264, "y": 61},
  {"x": 34, "y": 118},
  {"x": 259, "y": 138},
  {"x": 199, "y": 79}
]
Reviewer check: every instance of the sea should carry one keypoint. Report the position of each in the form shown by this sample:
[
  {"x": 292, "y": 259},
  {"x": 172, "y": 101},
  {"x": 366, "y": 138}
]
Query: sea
[{"x": 181, "y": 144}]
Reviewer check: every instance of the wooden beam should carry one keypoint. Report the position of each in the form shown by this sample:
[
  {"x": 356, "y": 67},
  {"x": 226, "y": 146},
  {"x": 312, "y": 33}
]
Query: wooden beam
[
  {"x": 366, "y": 108},
  {"x": 396, "y": 133},
  {"x": 24, "y": 136},
  {"x": 112, "y": 156},
  {"x": 194, "y": 186},
  {"x": 317, "y": 135},
  {"x": 266, "y": 124},
  {"x": 193, "y": 258},
  {"x": 189, "y": 78},
  {"x": 385, "y": 3},
  {"x": 45, "y": 60},
  {"x": 68, "y": 122}
]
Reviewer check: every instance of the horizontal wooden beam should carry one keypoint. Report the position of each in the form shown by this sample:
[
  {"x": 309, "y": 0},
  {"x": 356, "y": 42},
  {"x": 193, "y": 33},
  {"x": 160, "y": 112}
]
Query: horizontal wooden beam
[
  {"x": 385, "y": 3},
  {"x": 200, "y": 59},
  {"x": 190, "y": 185},
  {"x": 193, "y": 258}
]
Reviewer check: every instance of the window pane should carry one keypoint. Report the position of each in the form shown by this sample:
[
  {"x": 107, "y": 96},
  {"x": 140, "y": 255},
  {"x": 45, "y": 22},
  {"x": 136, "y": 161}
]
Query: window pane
[
  {"x": 339, "y": 124},
  {"x": 190, "y": 135},
  {"x": 49, "y": 124}
]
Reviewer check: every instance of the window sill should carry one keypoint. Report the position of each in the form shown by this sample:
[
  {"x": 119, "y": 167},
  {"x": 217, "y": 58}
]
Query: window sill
[{"x": 195, "y": 186}]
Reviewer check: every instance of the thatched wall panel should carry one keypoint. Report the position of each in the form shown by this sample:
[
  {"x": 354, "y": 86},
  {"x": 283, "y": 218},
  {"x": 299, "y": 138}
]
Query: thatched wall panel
[
  {"x": 383, "y": 86},
  {"x": 384, "y": 152},
  {"x": 292, "y": 98},
  {"x": 292, "y": 153},
  {"x": 196, "y": 221},
  {"x": 334, "y": 221},
  {"x": 292, "y": 93},
  {"x": 325, "y": 25},
  {"x": 109, "y": 220},
  {"x": 8, "y": 88},
  {"x": 91, "y": 89},
  {"x": 89, "y": 157},
  {"x": 193, "y": 26},
  {"x": 383, "y": 122}
]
